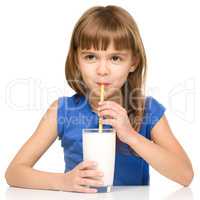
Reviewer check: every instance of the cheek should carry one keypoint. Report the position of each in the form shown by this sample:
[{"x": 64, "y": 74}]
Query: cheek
[
  {"x": 120, "y": 76},
  {"x": 83, "y": 69},
  {"x": 87, "y": 74}
]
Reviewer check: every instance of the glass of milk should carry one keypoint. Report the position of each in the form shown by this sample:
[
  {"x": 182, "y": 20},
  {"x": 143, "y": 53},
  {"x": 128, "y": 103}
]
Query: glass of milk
[{"x": 100, "y": 147}]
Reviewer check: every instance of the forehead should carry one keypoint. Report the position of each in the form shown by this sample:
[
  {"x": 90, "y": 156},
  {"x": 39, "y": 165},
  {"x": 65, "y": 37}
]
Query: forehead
[{"x": 109, "y": 50}]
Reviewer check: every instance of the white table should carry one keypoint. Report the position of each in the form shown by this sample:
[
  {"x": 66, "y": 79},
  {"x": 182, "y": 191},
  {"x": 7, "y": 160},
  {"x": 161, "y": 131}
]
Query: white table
[{"x": 118, "y": 193}]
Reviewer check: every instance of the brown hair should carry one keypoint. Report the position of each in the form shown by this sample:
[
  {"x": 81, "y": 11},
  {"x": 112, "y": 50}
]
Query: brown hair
[{"x": 96, "y": 28}]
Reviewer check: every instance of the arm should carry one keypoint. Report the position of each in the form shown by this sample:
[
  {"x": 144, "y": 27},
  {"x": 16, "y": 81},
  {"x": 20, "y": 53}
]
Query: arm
[
  {"x": 164, "y": 154},
  {"x": 20, "y": 172}
]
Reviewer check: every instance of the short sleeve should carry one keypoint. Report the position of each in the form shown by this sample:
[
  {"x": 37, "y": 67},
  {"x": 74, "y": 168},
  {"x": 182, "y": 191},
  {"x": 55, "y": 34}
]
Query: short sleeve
[
  {"x": 154, "y": 112},
  {"x": 60, "y": 117}
]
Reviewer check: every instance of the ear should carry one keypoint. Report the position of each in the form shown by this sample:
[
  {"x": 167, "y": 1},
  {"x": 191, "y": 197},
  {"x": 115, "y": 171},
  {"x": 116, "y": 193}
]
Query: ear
[
  {"x": 132, "y": 68},
  {"x": 135, "y": 63}
]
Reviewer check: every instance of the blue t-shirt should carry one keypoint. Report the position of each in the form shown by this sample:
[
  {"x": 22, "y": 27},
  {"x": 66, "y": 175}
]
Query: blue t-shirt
[{"x": 75, "y": 113}]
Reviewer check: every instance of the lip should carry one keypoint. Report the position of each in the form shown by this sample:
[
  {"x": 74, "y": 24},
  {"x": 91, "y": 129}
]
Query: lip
[{"x": 104, "y": 83}]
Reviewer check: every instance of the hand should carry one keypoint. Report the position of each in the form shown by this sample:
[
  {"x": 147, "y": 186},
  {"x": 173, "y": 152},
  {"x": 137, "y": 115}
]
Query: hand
[
  {"x": 119, "y": 119},
  {"x": 82, "y": 176}
]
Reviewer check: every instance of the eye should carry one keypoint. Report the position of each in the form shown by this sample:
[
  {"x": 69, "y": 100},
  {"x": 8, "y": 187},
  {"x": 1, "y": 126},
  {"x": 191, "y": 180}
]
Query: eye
[
  {"x": 90, "y": 57},
  {"x": 116, "y": 59}
]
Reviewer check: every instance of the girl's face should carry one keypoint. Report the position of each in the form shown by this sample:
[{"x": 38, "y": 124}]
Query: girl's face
[{"x": 109, "y": 67}]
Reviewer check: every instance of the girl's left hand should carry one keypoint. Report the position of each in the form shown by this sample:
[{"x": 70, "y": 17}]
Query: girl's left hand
[{"x": 119, "y": 119}]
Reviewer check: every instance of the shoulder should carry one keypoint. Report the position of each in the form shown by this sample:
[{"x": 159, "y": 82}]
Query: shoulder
[
  {"x": 72, "y": 100},
  {"x": 52, "y": 110},
  {"x": 68, "y": 104},
  {"x": 66, "y": 108},
  {"x": 153, "y": 106},
  {"x": 154, "y": 110}
]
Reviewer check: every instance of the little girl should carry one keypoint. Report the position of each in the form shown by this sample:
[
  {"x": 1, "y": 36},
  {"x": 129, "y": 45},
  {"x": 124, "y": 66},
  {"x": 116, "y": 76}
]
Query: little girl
[{"x": 106, "y": 48}]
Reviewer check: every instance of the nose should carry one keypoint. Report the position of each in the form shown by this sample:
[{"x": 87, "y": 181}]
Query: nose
[{"x": 102, "y": 68}]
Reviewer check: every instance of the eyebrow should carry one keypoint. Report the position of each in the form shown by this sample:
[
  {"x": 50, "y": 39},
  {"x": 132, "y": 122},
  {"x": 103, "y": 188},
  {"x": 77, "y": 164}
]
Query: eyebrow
[{"x": 114, "y": 53}]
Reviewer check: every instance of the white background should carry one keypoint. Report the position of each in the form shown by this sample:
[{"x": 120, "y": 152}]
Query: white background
[{"x": 34, "y": 40}]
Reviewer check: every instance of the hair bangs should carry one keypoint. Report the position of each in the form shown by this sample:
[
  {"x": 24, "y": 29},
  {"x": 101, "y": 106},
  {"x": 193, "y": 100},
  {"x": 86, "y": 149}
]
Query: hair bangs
[{"x": 100, "y": 35}]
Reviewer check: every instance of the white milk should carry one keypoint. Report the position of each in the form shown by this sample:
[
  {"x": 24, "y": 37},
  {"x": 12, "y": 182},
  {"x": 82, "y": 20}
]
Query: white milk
[{"x": 100, "y": 147}]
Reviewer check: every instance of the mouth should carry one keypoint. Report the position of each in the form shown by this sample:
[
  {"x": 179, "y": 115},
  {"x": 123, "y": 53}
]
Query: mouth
[{"x": 104, "y": 83}]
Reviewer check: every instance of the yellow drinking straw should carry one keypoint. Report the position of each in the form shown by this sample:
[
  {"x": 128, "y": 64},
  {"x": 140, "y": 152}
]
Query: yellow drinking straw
[{"x": 101, "y": 100}]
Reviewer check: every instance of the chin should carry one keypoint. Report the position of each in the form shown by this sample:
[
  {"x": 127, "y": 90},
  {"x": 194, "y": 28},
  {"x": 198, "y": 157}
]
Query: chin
[{"x": 108, "y": 91}]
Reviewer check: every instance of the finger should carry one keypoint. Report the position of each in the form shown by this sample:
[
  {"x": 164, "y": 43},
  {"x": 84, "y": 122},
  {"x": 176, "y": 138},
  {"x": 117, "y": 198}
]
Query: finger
[
  {"x": 97, "y": 178},
  {"x": 87, "y": 165},
  {"x": 91, "y": 182},
  {"x": 111, "y": 122},
  {"x": 85, "y": 189},
  {"x": 91, "y": 173},
  {"x": 108, "y": 107},
  {"x": 109, "y": 112},
  {"x": 112, "y": 105}
]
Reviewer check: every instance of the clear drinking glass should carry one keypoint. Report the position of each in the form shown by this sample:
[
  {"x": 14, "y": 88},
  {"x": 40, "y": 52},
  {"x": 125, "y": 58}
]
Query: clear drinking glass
[{"x": 100, "y": 147}]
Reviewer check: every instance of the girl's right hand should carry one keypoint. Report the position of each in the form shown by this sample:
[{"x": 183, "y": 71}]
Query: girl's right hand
[{"x": 83, "y": 176}]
